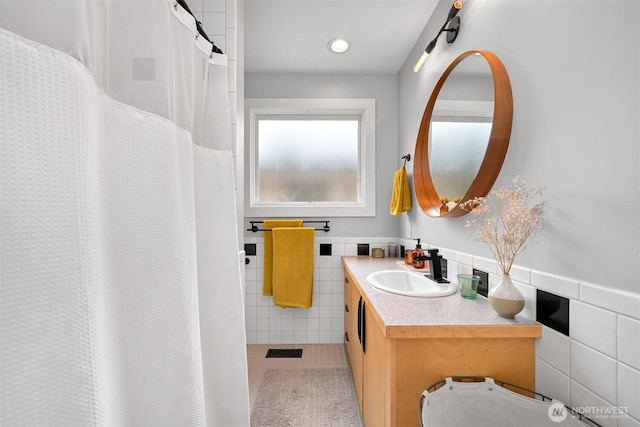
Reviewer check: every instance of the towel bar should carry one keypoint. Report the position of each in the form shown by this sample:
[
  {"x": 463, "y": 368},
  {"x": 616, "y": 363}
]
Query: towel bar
[{"x": 255, "y": 228}]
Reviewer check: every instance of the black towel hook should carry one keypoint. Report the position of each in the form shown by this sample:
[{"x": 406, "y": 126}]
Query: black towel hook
[{"x": 406, "y": 157}]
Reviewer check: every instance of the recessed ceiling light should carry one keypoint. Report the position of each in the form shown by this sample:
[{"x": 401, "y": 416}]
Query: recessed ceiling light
[{"x": 338, "y": 45}]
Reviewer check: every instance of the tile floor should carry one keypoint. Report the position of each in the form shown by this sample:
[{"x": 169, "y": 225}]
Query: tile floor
[{"x": 313, "y": 356}]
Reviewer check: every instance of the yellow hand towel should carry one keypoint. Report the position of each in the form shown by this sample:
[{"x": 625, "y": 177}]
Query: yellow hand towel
[
  {"x": 268, "y": 249},
  {"x": 293, "y": 266},
  {"x": 401, "y": 196}
]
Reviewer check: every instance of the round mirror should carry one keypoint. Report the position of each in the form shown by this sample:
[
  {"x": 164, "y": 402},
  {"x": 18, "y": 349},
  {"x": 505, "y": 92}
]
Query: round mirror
[{"x": 464, "y": 134}]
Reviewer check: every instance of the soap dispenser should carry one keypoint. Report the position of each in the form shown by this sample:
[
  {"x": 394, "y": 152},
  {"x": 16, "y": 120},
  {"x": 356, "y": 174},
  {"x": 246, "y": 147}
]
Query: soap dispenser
[{"x": 418, "y": 252}]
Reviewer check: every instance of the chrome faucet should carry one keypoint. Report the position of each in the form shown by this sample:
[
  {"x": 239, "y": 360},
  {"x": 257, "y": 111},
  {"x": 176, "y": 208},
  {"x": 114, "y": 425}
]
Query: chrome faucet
[{"x": 435, "y": 265}]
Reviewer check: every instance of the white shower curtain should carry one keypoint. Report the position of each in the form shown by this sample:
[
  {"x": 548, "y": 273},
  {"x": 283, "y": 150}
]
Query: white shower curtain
[
  {"x": 120, "y": 300},
  {"x": 218, "y": 265},
  {"x": 144, "y": 53}
]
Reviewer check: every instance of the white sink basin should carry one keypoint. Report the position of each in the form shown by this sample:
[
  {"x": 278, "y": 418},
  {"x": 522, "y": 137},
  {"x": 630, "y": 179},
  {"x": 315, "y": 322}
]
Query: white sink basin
[{"x": 410, "y": 283}]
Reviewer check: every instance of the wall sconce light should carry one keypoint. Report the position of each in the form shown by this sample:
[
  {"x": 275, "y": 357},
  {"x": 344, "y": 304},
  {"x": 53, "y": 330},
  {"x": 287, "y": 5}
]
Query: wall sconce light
[{"x": 451, "y": 26}]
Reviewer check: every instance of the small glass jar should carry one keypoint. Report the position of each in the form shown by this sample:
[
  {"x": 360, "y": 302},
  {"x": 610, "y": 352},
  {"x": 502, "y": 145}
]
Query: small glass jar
[
  {"x": 392, "y": 250},
  {"x": 377, "y": 252}
]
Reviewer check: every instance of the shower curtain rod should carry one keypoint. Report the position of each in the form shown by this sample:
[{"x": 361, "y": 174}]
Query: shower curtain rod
[
  {"x": 183, "y": 3},
  {"x": 255, "y": 228}
]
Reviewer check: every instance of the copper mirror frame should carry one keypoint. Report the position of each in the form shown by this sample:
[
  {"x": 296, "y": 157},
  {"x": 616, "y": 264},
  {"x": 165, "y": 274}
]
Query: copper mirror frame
[{"x": 496, "y": 149}]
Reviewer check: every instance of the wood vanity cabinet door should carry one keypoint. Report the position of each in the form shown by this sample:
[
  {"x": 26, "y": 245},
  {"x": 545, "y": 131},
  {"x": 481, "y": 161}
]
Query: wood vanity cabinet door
[
  {"x": 347, "y": 313},
  {"x": 353, "y": 345},
  {"x": 374, "y": 375}
]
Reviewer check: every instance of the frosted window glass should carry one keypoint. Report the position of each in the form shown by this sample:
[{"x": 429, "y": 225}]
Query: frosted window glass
[
  {"x": 457, "y": 151},
  {"x": 308, "y": 160}
]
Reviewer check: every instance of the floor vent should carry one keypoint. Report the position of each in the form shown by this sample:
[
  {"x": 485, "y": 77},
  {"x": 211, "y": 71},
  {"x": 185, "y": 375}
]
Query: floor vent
[{"x": 284, "y": 352}]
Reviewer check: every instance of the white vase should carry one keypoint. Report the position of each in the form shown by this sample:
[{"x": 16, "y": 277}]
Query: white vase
[{"x": 506, "y": 299}]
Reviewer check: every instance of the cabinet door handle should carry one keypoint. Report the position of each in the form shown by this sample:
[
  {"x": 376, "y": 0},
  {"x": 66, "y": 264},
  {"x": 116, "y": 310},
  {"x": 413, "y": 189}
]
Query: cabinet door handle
[
  {"x": 346, "y": 308},
  {"x": 346, "y": 280},
  {"x": 360, "y": 320},
  {"x": 364, "y": 329},
  {"x": 346, "y": 336}
]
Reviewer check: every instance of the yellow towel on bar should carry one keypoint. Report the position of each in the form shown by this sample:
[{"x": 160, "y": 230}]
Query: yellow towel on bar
[
  {"x": 401, "y": 196},
  {"x": 293, "y": 266},
  {"x": 268, "y": 249}
]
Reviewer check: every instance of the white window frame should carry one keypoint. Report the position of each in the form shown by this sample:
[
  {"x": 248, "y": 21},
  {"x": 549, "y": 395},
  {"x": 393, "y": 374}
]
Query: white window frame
[{"x": 364, "y": 108}]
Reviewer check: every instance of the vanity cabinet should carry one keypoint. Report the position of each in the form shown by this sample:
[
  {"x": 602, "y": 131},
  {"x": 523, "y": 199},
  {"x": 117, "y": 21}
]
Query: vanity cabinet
[{"x": 407, "y": 344}]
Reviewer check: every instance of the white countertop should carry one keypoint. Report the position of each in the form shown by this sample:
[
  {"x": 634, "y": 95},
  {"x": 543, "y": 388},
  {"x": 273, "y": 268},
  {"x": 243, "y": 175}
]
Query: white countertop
[{"x": 406, "y": 316}]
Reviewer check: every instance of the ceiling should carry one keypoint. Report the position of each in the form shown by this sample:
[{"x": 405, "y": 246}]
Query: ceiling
[{"x": 292, "y": 35}]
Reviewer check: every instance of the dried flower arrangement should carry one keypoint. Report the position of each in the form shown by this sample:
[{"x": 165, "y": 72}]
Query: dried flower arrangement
[
  {"x": 506, "y": 220},
  {"x": 444, "y": 207}
]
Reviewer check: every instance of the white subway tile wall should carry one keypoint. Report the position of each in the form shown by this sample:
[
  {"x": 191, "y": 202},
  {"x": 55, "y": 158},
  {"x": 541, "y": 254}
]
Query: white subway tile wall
[
  {"x": 593, "y": 327},
  {"x": 324, "y": 321},
  {"x": 553, "y": 348},
  {"x": 618, "y": 301},
  {"x": 588, "y": 402},
  {"x": 214, "y": 23},
  {"x": 551, "y": 382},
  {"x": 556, "y": 284},
  {"x": 594, "y": 370},
  {"x": 628, "y": 422},
  {"x": 485, "y": 264},
  {"x": 459, "y": 257},
  {"x": 629, "y": 389},
  {"x": 628, "y": 348}
]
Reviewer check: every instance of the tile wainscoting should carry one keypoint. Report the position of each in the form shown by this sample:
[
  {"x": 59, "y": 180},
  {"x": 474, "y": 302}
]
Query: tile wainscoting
[{"x": 323, "y": 323}]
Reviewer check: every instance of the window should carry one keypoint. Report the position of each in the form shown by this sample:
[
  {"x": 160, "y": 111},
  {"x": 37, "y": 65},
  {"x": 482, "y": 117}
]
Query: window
[
  {"x": 311, "y": 157},
  {"x": 459, "y": 137}
]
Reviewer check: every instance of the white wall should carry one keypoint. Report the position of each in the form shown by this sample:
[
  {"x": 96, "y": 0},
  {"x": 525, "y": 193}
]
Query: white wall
[
  {"x": 324, "y": 321},
  {"x": 382, "y": 87},
  {"x": 574, "y": 67},
  {"x": 574, "y": 70}
]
